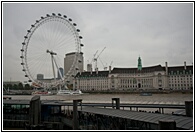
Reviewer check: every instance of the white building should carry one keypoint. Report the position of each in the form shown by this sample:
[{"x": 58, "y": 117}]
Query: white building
[
  {"x": 180, "y": 77},
  {"x": 153, "y": 77},
  {"x": 92, "y": 80}
]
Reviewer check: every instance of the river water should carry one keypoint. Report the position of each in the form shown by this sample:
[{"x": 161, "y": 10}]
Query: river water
[{"x": 172, "y": 98}]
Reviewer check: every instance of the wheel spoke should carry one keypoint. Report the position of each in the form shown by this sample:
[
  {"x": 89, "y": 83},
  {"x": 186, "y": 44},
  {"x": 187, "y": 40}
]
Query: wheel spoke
[{"x": 49, "y": 39}]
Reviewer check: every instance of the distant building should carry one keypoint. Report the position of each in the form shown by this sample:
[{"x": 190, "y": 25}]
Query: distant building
[
  {"x": 40, "y": 76},
  {"x": 89, "y": 67},
  {"x": 180, "y": 77},
  {"x": 152, "y": 77},
  {"x": 61, "y": 72},
  {"x": 11, "y": 82},
  {"x": 68, "y": 62}
]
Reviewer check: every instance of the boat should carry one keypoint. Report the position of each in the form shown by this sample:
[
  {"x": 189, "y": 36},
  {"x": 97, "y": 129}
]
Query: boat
[
  {"x": 64, "y": 92},
  {"x": 145, "y": 94},
  {"x": 41, "y": 93},
  {"x": 77, "y": 92},
  {"x": 69, "y": 92}
]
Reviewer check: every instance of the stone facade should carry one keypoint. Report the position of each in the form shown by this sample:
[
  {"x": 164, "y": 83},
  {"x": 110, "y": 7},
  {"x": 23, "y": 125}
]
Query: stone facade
[{"x": 153, "y": 77}]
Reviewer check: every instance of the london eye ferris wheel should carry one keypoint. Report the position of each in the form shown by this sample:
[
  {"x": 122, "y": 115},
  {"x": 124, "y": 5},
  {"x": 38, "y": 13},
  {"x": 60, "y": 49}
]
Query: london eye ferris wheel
[{"x": 44, "y": 47}]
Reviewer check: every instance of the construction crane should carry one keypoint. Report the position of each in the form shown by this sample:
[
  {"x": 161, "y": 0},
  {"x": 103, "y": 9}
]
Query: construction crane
[
  {"x": 104, "y": 66},
  {"x": 95, "y": 59},
  {"x": 111, "y": 63}
]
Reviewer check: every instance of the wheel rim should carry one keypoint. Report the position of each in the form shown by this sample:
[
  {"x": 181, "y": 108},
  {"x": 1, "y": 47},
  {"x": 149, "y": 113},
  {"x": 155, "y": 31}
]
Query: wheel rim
[{"x": 54, "y": 33}]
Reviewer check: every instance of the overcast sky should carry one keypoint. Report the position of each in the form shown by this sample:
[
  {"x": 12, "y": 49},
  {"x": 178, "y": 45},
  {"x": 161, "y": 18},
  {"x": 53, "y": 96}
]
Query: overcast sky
[{"x": 157, "y": 32}]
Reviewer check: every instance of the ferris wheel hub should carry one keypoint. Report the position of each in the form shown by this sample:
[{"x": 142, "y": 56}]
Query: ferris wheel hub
[{"x": 51, "y": 52}]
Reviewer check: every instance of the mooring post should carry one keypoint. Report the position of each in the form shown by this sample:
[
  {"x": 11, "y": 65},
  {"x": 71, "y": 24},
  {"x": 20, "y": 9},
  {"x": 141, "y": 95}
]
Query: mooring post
[
  {"x": 75, "y": 114},
  {"x": 167, "y": 125},
  {"x": 117, "y": 100},
  {"x": 189, "y": 108},
  {"x": 35, "y": 111},
  {"x": 159, "y": 110},
  {"x": 162, "y": 110}
]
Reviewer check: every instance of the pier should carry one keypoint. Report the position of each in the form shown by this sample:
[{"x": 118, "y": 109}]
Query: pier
[{"x": 61, "y": 115}]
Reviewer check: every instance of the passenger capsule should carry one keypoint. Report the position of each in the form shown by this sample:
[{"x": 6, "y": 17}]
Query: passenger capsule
[
  {"x": 26, "y": 75},
  {"x": 70, "y": 19},
  {"x": 22, "y": 50},
  {"x": 21, "y": 56},
  {"x": 30, "y": 80},
  {"x": 23, "y": 70},
  {"x": 25, "y": 37},
  {"x": 80, "y": 37},
  {"x": 47, "y": 15},
  {"x": 28, "y": 31},
  {"x": 74, "y": 24},
  {"x": 64, "y": 16},
  {"x": 78, "y": 30},
  {"x": 37, "y": 21},
  {"x": 23, "y": 43},
  {"x": 42, "y": 17},
  {"x": 22, "y": 63},
  {"x": 59, "y": 14},
  {"x": 32, "y": 25},
  {"x": 53, "y": 14},
  {"x": 81, "y": 45}
]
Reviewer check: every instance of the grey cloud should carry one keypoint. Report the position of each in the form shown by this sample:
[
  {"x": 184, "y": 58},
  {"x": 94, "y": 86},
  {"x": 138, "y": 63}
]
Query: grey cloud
[{"x": 158, "y": 32}]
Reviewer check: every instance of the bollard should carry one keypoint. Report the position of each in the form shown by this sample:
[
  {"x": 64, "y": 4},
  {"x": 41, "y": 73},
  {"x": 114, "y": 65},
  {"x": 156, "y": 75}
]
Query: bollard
[
  {"x": 117, "y": 100},
  {"x": 75, "y": 114},
  {"x": 167, "y": 125},
  {"x": 189, "y": 108},
  {"x": 35, "y": 111}
]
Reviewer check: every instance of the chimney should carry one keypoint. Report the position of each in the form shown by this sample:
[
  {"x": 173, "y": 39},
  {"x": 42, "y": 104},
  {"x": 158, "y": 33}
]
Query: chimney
[
  {"x": 96, "y": 70},
  {"x": 89, "y": 67},
  {"x": 110, "y": 67},
  {"x": 166, "y": 68},
  {"x": 185, "y": 65}
]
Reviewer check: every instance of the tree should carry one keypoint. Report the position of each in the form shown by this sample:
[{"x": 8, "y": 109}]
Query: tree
[
  {"x": 5, "y": 86},
  {"x": 27, "y": 87},
  {"x": 15, "y": 87},
  {"x": 20, "y": 86}
]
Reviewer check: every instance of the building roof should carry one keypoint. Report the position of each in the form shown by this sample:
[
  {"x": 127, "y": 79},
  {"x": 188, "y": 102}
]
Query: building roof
[
  {"x": 72, "y": 53},
  {"x": 135, "y": 70},
  {"x": 180, "y": 69},
  {"x": 181, "y": 121},
  {"x": 115, "y": 70},
  {"x": 93, "y": 74}
]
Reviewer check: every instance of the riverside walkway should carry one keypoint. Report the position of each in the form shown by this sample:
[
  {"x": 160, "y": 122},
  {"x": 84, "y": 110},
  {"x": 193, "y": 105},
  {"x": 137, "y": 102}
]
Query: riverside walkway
[
  {"x": 94, "y": 116},
  {"x": 130, "y": 119}
]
